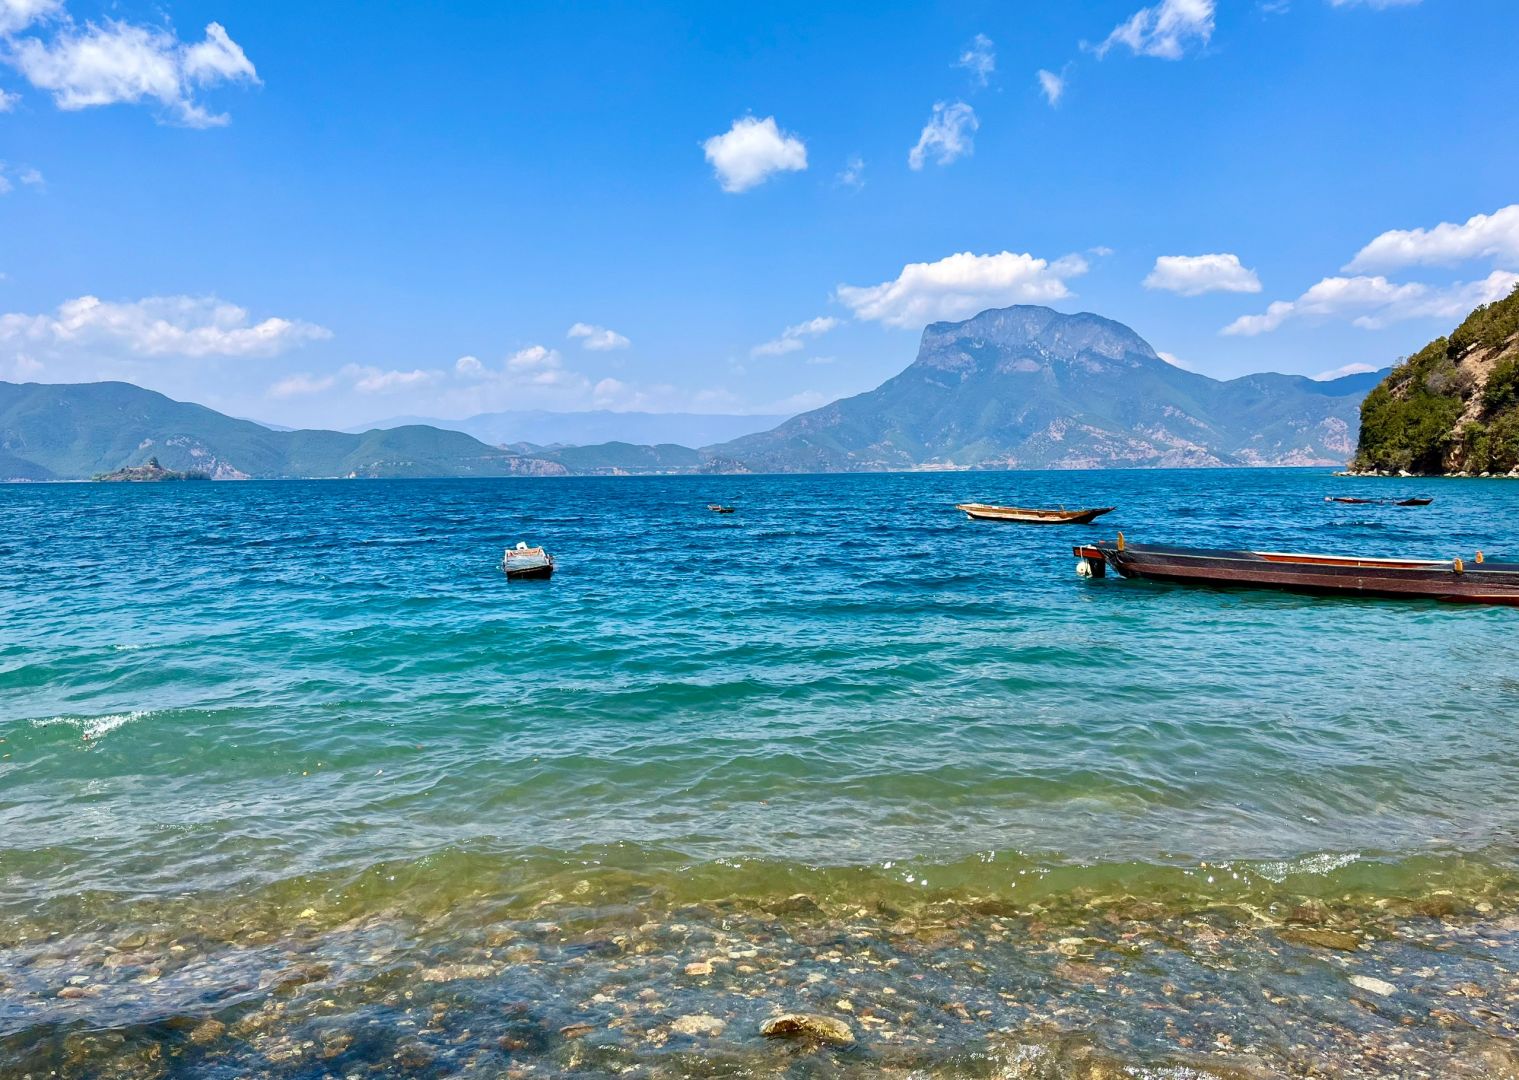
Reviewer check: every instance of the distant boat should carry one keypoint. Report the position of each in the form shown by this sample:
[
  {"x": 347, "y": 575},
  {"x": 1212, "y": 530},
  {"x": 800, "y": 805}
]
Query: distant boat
[
  {"x": 523, "y": 563},
  {"x": 984, "y": 512},
  {"x": 1381, "y": 502},
  {"x": 718, "y": 508},
  {"x": 1456, "y": 580}
]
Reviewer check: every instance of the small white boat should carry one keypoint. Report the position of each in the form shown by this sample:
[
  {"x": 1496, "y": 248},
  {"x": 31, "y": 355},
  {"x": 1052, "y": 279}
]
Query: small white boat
[{"x": 523, "y": 563}]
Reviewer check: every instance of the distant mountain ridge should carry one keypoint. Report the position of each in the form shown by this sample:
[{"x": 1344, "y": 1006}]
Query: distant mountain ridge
[
  {"x": 69, "y": 432},
  {"x": 1019, "y": 387},
  {"x": 1030, "y": 387},
  {"x": 543, "y": 428}
]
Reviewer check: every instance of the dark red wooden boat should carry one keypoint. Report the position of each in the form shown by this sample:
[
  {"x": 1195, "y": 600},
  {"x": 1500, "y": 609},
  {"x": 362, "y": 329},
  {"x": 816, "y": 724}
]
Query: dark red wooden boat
[
  {"x": 1473, "y": 581},
  {"x": 1028, "y": 516},
  {"x": 1381, "y": 502}
]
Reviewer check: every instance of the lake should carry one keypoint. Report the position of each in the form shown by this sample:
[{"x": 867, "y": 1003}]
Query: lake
[{"x": 294, "y": 783}]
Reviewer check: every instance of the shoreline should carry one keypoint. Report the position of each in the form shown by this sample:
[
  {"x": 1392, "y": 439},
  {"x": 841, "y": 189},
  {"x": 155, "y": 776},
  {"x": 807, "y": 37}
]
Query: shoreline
[{"x": 1112, "y": 987}]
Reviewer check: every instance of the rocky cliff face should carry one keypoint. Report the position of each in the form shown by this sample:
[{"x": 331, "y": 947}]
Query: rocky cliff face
[
  {"x": 1028, "y": 387},
  {"x": 1453, "y": 406}
]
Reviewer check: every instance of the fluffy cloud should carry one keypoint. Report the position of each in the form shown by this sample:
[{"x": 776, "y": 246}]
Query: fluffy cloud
[
  {"x": 469, "y": 366},
  {"x": 25, "y": 175},
  {"x": 750, "y": 151},
  {"x": 961, "y": 285},
  {"x": 1484, "y": 236},
  {"x": 301, "y": 385},
  {"x": 1052, "y": 86},
  {"x": 1165, "y": 30},
  {"x": 795, "y": 337},
  {"x": 1193, "y": 275},
  {"x": 373, "y": 380},
  {"x": 948, "y": 135},
  {"x": 598, "y": 338},
  {"x": 159, "y": 326},
  {"x": 533, "y": 358},
  {"x": 17, "y": 15},
  {"x": 8, "y": 100},
  {"x": 1341, "y": 372},
  {"x": 853, "y": 175},
  {"x": 117, "y": 62},
  {"x": 979, "y": 58},
  {"x": 1374, "y": 302}
]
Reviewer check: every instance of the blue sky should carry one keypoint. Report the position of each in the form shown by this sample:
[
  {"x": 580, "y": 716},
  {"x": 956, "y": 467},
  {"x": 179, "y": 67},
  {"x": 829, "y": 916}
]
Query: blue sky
[{"x": 324, "y": 214}]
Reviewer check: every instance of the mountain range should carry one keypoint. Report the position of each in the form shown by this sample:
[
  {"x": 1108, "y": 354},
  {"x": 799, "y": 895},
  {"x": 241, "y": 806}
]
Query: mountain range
[
  {"x": 1019, "y": 387},
  {"x": 538, "y": 427},
  {"x": 1028, "y": 387},
  {"x": 73, "y": 431}
]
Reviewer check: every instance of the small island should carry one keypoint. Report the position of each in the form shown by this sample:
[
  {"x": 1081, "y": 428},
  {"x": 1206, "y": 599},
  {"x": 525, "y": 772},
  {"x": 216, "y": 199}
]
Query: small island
[{"x": 151, "y": 472}]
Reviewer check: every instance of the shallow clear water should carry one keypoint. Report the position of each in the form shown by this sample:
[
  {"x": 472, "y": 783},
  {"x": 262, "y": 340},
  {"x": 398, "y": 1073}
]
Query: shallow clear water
[{"x": 223, "y": 705}]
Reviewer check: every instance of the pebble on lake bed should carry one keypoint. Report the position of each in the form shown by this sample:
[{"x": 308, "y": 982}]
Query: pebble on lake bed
[
  {"x": 699, "y": 1024},
  {"x": 807, "y": 1025},
  {"x": 1374, "y": 986}
]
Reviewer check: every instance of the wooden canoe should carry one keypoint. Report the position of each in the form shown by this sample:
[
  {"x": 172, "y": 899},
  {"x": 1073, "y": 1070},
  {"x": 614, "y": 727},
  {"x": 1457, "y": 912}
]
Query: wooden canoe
[
  {"x": 1028, "y": 516},
  {"x": 1473, "y": 581},
  {"x": 1377, "y": 502}
]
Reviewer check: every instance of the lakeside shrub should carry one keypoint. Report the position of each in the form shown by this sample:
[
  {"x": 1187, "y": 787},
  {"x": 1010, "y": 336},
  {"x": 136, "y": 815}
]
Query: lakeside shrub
[{"x": 1408, "y": 422}]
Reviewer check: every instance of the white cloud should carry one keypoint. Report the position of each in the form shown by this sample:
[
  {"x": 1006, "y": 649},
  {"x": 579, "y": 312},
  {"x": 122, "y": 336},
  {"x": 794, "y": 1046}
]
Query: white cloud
[
  {"x": 1174, "y": 360},
  {"x": 795, "y": 337},
  {"x": 31, "y": 176},
  {"x": 301, "y": 385},
  {"x": 598, "y": 338},
  {"x": 8, "y": 100},
  {"x": 17, "y": 15},
  {"x": 961, "y": 285},
  {"x": 160, "y": 326},
  {"x": 120, "y": 63},
  {"x": 1164, "y": 30},
  {"x": 979, "y": 58},
  {"x": 470, "y": 367},
  {"x": 1193, "y": 275},
  {"x": 533, "y": 358},
  {"x": 948, "y": 135},
  {"x": 1052, "y": 86},
  {"x": 750, "y": 151},
  {"x": 1341, "y": 372},
  {"x": 373, "y": 380},
  {"x": 1484, "y": 236},
  {"x": 853, "y": 175},
  {"x": 1374, "y": 302}
]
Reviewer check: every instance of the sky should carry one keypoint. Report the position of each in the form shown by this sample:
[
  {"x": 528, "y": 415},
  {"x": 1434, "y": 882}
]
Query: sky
[{"x": 325, "y": 214}]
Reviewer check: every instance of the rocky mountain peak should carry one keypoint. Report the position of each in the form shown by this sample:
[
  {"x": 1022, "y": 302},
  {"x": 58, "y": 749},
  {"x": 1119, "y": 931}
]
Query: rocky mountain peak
[{"x": 1029, "y": 337}]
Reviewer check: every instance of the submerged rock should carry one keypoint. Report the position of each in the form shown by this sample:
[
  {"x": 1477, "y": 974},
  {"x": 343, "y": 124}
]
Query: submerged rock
[
  {"x": 1374, "y": 986},
  {"x": 207, "y": 1032},
  {"x": 809, "y": 1026},
  {"x": 698, "y": 1024},
  {"x": 1322, "y": 939}
]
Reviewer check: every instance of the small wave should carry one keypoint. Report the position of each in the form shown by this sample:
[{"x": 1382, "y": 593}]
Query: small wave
[
  {"x": 1321, "y": 864},
  {"x": 93, "y": 727}
]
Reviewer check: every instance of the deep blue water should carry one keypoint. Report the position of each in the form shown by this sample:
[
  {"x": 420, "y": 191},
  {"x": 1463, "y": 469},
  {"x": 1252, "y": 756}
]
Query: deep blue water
[{"x": 327, "y": 693}]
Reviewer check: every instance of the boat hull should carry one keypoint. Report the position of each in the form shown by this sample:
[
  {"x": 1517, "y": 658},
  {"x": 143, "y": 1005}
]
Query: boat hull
[
  {"x": 1021, "y": 516},
  {"x": 1473, "y": 583},
  {"x": 530, "y": 573}
]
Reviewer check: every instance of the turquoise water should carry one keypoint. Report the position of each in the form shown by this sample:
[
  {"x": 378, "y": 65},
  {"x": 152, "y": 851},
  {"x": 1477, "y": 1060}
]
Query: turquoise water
[{"x": 270, "y": 716}]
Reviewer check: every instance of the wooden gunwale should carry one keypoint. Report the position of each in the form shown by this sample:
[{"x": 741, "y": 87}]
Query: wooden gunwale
[{"x": 1474, "y": 582}]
